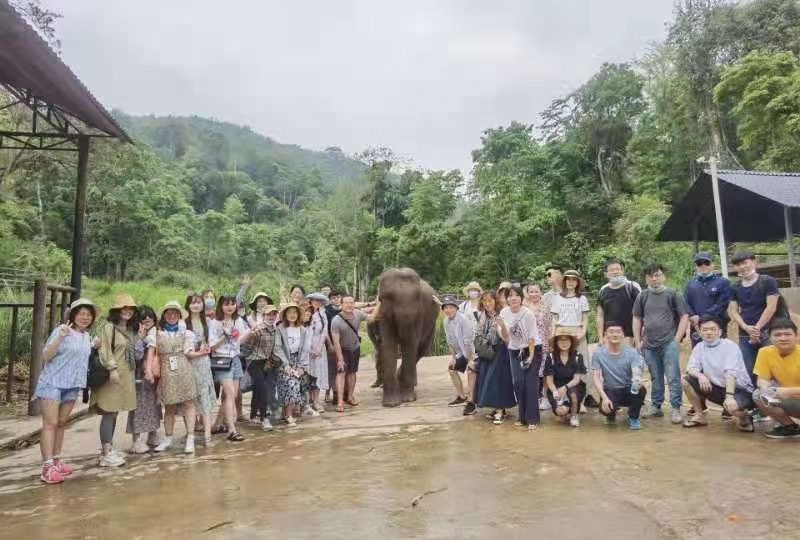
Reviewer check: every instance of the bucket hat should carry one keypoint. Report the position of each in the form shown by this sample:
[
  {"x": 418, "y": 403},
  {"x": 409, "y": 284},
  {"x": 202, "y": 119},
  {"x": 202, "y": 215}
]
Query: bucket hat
[{"x": 123, "y": 300}]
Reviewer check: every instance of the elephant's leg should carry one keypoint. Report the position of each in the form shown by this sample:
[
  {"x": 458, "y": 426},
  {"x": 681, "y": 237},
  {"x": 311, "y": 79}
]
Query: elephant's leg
[
  {"x": 378, "y": 367},
  {"x": 388, "y": 356},
  {"x": 408, "y": 370}
]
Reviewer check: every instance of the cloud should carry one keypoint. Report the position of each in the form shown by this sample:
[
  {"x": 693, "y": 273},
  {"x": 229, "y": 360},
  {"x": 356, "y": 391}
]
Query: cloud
[{"x": 423, "y": 77}]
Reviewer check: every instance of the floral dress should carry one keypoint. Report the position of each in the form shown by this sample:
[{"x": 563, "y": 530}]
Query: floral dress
[
  {"x": 177, "y": 376},
  {"x": 292, "y": 349},
  {"x": 203, "y": 378},
  {"x": 147, "y": 416}
]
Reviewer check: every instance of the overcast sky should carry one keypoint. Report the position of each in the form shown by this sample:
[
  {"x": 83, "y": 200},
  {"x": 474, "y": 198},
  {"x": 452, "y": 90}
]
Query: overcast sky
[{"x": 424, "y": 77}]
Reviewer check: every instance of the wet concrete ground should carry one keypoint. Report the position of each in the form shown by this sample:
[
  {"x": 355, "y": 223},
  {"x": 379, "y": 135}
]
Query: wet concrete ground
[{"x": 358, "y": 475}]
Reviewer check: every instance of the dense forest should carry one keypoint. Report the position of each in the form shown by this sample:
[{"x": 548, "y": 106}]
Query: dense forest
[{"x": 594, "y": 176}]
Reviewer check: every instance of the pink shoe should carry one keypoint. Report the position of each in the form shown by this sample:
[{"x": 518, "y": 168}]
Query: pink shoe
[
  {"x": 62, "y": 467},
  {"x": 50, "y": 475}
]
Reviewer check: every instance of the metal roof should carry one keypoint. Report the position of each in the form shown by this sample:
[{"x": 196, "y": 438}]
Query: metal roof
[
  {"x": 752, "y": 207},
  {"x": 29, "y": 66}
]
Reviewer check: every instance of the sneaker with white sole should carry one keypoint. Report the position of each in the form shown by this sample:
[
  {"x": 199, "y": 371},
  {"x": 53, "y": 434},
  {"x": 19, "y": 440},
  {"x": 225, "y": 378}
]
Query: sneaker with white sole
[
  {"x": 166, "y": 443},
  {"x": 111, "y": 460},
  {"x": 188, "y": 448},
  {"x": 140, "y": 446},
  {"x": 50, "y": 474},
  {"x": 676, "y": 417},
  {"x": 266, "y": 425},
  {"x": 574, "y": 422},
  {"x": 544, "y": 404},
  {"x": 290, "y": 421}
]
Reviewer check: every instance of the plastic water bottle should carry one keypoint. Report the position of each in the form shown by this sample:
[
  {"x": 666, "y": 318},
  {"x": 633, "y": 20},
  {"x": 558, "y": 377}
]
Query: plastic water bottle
[{"x": 636, "y": 382}]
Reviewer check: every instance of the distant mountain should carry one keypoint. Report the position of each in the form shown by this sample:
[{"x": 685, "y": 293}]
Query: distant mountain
[{"x": 229, "y": 147}]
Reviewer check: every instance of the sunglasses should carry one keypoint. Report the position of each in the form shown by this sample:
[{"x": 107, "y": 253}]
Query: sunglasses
[{"x": 702, "y": 263}]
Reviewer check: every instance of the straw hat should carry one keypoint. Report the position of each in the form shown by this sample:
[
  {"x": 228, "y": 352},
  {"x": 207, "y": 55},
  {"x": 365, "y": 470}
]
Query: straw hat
[
  {"x": 472, "y": 286},
  {"x": 270, "y": 309},
  {"x": 82, "y": 302},
  {"x": 574, "y": 274},
  {"x": 172, "y": 304},
  {"x": 563, "y": 332},
  {"x": 122, "y": 301},
  {"x": 258, "y": 295},
  {"x": 319, "y": 297},
  {"x": 504, "y": 285},
  {"x": 289, "y": 306}
]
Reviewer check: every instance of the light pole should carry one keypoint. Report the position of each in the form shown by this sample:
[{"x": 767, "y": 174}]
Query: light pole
[{"x": 723, "y": 253}]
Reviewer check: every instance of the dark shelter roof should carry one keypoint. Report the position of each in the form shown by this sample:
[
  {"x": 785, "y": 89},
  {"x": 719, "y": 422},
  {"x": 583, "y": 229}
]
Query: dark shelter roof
[
  {"x": 752, "y": 208},
  {"x": 28, "y": 64}
]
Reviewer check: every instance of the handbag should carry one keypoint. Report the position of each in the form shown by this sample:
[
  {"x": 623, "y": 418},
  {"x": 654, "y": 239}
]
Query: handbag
[
  {"x": 221, "y": 363},
  {"x": 483, "y": 348},
  {"x": 97, "y": 375}
]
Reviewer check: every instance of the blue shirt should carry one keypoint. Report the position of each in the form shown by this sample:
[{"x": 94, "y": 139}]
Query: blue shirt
[
  {"x": 709, "y": 296},
  {"x": 68, "y": 367},
  {"x": 752, "y": 300},
  {"x": 617, "y": 369}
]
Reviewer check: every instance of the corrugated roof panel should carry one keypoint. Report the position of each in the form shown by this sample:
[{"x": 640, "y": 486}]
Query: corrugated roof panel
[{"x": 783, "y": 188}]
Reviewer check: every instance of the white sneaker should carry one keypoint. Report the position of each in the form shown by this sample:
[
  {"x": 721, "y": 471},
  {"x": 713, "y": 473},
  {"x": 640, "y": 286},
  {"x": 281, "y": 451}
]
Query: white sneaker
[
  {"x": 544, "y": 404},
  {"x": 676, "y": 417},
  {"x": 165, "y": 444},
  {"x": 111, "y": 460},
  {"x": 140, "y": 446},
  {"x": 309, "y": 411},
  {"x": 574, "y": 422},
  {"x": 266, "y": 425},
  {"x": 290, "y": 421},
  {"x": 188, "y": 448}
]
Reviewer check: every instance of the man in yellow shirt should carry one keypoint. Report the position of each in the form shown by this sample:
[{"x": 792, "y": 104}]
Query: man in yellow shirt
[{"x": 778, "y": 371}]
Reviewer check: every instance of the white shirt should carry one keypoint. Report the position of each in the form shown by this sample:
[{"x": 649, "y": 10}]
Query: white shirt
[
  {"x": 521, "y": 326},
  {"x": 569, "y": 310},
  {"x": 716, "y": 362}
]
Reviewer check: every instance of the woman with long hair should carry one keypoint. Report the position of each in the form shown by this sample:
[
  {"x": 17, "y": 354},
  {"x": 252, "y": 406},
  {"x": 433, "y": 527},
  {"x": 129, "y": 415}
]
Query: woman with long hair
[
  {"x": 143, "y": 423},
  {"x": 197, "y": 324},
  {"x": 496, "y": 384},
  {"x": 224, "y": 338},
  {"x": 563, "y": 370},
  {"x": 291, "y": 349},
  {"x": 119, "y": 392},
  {"x": 175, "y": 347},
  {"x": 526, "y": 355},
  {"x": 65, "y": 364}
]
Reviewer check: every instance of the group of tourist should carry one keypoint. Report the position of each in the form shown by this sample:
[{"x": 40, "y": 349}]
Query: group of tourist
[
  {"x": 518, "y": 346},
  {"x": 181, "y": 361},
  {"x": 521, "y": 347}
]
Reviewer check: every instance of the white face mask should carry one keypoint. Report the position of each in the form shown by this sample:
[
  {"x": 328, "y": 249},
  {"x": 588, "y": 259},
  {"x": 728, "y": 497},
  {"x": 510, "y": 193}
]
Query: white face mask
[{"x": 474, "y": 295}]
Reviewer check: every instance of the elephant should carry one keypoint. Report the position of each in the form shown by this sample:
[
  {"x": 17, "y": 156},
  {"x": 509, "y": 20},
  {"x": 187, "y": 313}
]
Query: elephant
[{"x": 406, "y": 321}]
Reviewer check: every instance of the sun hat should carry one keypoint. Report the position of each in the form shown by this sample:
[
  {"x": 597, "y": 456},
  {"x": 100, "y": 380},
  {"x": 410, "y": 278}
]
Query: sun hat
[
  {"x": 172, "y": 304},
  {"x": 81, "y": 302},
  {"x": 123, "y": 300},
  {"x": 258, "y": 295},
  {"x": 270, "y": 309},
  {"x": 560, "y": 332},
  {"x": 574, "y": 274},
  {"x": 504, "y": 285},
  {"x": 319, "y": 297},
  {"x": 450, "y": 300},
  {"x": 290, "y": 305},
  {"x": 472, "y": 286}
]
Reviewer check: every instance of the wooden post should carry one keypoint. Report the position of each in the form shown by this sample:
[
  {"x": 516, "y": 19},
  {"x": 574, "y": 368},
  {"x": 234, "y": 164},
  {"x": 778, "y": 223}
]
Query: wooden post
[
  {"x": 37, "y": 340},
  {"x": 64, "y": 306},
  {"x": 12, "y": 353},
  {"x": 52, "y": 318},
  {"x": 787, "y": 221},
  {"x": 78, "y": 227}
]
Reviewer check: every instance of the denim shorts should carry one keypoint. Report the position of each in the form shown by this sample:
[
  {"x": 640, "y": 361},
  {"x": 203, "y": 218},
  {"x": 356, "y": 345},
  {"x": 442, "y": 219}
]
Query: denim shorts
[
  {"x": 235, "y": 372},
  {"x": 53, "y": 393}
]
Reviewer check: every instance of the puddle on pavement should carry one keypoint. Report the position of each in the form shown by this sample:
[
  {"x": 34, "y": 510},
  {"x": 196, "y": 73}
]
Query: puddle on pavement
[{"x": 469, "y": 480}]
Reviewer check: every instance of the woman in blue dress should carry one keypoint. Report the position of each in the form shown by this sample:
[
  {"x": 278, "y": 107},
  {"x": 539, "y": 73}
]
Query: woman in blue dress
[{"x": 496, "y": 388}]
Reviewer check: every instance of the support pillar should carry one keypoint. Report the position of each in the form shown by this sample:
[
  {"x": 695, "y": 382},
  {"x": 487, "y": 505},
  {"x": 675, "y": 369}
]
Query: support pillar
[
  {"x": 787, "y": 221},
  {"x": 78, "y": 229}
]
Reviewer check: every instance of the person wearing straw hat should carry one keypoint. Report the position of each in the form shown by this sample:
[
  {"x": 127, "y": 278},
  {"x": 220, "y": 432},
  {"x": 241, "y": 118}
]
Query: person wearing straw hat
[
  {"x": 257, "y": 304},
  {"x": 175, "y": 346},
  {"x": 570, "y": 311},
  {"x": 118, "y": 394},
  {"x": 318, "y": 356},
  {"x": 262, "y": 343},
  {"x": 66, "y": 361},
  {"x": 145, "y": 420},
  {"x": 469, "y": 307},
  {"x": 291, "y": 349},
  {"x": 502, "y": 294},
  {"x": 563, "y": 369}
]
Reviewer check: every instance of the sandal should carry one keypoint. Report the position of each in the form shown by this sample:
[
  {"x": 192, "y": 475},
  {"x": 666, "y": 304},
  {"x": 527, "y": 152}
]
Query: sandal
[
  {"x": 693, "y": 422},
  {"x": 340, "y": 407},
  {"x": 219, "y": 430},
  {"x": 351, "y": 402},
  {"x": 236, "y": 437}
]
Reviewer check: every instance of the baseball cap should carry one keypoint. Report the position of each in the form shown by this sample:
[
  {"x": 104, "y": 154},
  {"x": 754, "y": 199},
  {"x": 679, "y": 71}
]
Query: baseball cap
[{"x": 703, "y": 256}]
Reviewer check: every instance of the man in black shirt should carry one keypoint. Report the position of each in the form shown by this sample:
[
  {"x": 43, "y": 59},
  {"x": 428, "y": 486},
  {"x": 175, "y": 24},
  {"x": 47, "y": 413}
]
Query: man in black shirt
[{"x": 616, "y": 298}]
